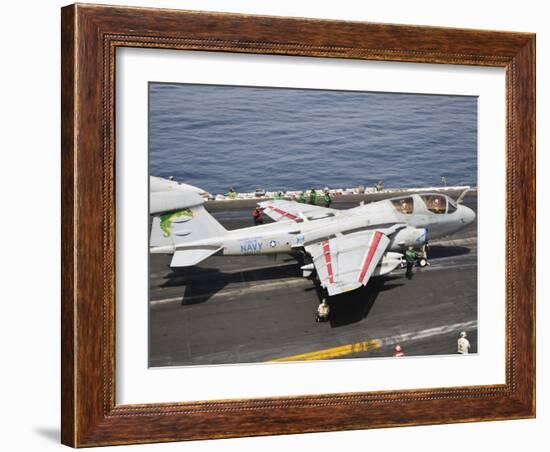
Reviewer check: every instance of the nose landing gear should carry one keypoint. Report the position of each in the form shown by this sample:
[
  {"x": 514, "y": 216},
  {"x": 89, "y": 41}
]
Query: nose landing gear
[{"x": 421, "y": 259}]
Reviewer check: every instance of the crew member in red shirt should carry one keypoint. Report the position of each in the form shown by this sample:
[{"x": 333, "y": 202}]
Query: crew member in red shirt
[
  {"x": 258, "y": 216},
  {"x": 398, "y": 351}
]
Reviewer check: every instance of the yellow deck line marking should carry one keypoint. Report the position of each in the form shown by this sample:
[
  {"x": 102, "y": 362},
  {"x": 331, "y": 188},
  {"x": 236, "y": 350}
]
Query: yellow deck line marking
[{"x": 334, "y": 352}]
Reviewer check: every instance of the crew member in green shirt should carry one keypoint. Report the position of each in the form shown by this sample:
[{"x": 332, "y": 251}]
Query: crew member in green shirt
[
  {"x": 410, "y": 258},
  {"x": 302, "y": 198},
  {"x": 327, "y": 200},
  {"x": 313, "y": 196}
]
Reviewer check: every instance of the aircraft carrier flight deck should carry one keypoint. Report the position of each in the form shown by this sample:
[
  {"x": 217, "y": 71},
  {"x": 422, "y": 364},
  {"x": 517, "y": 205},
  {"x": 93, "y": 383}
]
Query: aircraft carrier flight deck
[{"x": 250, "y": 309}]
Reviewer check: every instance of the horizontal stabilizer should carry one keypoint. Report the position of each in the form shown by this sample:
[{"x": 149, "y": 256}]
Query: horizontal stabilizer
[
  {"x": 166, "y": 201},
  {"x": 161, "y": 184},
  {"x": 187, "y": 258}
]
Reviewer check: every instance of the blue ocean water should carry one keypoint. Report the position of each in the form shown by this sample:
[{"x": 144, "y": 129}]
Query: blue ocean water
[{"x": 216, "y": 137}]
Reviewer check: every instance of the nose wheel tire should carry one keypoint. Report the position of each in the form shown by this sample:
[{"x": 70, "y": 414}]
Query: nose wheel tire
[{"x": 422, "y": 262}]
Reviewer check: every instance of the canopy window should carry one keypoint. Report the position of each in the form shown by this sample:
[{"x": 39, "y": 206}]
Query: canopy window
[
  {"x": 403, "y": 205},
  {"x": 435, "y": 203}
]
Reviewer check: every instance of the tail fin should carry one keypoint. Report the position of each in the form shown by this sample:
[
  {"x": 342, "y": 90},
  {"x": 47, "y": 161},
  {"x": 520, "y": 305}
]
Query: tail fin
[
  {"x": 178, "y": 227},
  {"x": 179, "y": 218}
]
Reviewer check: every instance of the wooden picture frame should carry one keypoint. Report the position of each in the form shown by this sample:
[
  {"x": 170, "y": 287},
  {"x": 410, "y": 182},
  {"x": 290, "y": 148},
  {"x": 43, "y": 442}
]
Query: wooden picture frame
[{"x": 90, "y": 36}]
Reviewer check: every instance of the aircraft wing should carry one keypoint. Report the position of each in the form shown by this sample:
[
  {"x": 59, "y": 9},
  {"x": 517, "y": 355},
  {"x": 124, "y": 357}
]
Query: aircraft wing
[
  {"x": 280, "y": 210},
  {"x": 346, "y": 262}
]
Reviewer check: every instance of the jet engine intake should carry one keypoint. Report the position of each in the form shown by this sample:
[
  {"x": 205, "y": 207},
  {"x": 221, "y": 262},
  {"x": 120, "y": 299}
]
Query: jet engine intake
[{"x": 409, "y": 236}]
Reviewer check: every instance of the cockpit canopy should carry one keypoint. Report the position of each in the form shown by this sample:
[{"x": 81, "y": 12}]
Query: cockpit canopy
[
  {"x": 403, "y": 205},
  {"x": 435, "y": 203},
  {"x": 438, "y": 204}
]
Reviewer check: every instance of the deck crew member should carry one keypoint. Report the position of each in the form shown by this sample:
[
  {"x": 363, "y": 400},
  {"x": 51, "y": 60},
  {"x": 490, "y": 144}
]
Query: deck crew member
[
  {"x": 323, "y": 311},
  {"x": 410, "y": 259},
  {"x": 463, "y": 344},
  {"x": 398, "y": 351},
  {"x": 258, "y": 216},
  {"x": 313, "y": 196},
  {"x": 327, "y": 200},
  {"x": 231, "y": 193},
  {"x": 302, "y": 198}
]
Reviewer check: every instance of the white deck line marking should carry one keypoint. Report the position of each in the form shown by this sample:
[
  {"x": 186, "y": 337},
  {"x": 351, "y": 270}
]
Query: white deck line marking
[
  {"x": 258, "y": 287},
  {"x": 430, "y": 332}
]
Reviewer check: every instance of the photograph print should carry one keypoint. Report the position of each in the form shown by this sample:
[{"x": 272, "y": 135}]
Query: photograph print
[{"x": 302, "y": 224}]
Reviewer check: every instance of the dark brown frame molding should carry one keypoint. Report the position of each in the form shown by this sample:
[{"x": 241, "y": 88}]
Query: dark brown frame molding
[{"x": 90, "y": 35}]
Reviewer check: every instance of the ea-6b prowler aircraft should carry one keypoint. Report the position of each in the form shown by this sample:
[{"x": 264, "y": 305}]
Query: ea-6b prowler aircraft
[{"x": 347, "y": 247}]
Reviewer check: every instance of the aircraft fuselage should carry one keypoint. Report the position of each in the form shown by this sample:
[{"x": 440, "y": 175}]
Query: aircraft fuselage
[{"x": 286, "y": 236}]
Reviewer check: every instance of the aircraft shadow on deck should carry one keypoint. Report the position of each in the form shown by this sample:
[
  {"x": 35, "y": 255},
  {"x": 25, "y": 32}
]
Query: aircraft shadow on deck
[
  {"x": 438, "y": 251},
  {"x": 353, "y": 307},
  {"x": 202, "y": 283}
]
